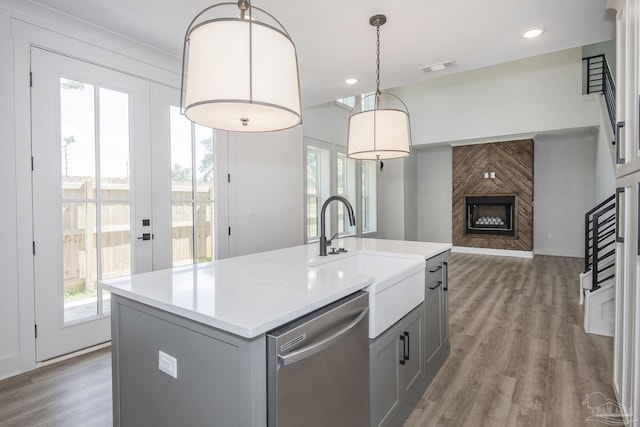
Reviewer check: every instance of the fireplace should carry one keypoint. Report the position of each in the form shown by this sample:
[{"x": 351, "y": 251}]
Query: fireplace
[{"x": 490, "y": 215}]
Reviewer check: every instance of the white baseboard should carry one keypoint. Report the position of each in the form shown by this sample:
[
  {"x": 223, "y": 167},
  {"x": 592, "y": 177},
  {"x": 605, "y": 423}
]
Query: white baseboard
[
  {"x": 72, "y": 355},
  {"x": 560, "y": 252},
  {"x": 9, "y": 366},
  {"x": 495, "y": 252}
]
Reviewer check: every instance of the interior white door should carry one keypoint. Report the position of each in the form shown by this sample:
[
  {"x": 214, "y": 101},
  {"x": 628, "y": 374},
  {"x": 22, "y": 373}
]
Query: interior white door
[{"x": 91, "y": 195}]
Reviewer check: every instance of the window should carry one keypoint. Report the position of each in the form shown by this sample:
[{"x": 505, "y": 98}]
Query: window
[
  {"x": 369, "y": 201},
  {"x": 349, "y": 102},
  {"x": 367, "y": 102},
  {"x": 192, "y": 186},
  {"x": 96, "y": 196},
  {"x": 329, "y": 171},
  {"x": 346, "y": 186},
  {"x": 318, "y": 187}
]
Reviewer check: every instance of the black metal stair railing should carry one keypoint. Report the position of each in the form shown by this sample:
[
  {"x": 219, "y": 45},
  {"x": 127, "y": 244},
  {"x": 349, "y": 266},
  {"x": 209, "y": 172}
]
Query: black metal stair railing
[
  {"x": 600, "y": 80},
  {"x": 600, "y": 242}
]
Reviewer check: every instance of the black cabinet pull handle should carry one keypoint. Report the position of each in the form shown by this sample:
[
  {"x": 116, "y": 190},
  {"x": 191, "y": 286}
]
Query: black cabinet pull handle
[
  {"x": 619, "y": 191},
  {"x": 438, "y": 283},
  {"x": 406, "y": 356},
  {"x": 446, "y": 276},
  {"x": 402, "y": 361},
  {"x": 435, "y": 269}
]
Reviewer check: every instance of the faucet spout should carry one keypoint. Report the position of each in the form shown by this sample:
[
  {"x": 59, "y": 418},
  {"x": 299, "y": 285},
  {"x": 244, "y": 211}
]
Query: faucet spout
[{"x": 350, "y": 214}]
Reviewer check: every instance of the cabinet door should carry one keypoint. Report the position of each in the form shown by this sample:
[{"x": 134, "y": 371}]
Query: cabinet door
[
  {"x": 626, "y": 134},
  {"x": 411, "y": 351},
  {"x": 627, "y": 337},
  {"x": 384, "y": 382},
  {"x": 444, "y": 303},
  {"x": 432, "y": 317}
]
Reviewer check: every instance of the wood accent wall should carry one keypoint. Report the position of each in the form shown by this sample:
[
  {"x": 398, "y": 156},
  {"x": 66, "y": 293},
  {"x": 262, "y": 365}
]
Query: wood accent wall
[{"x": 512, "y": 163}]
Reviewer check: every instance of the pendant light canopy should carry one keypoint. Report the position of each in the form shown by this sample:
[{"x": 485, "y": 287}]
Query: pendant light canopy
[
  {"x": 379, "y": 125},
  {"x": 240, "y": 71}
]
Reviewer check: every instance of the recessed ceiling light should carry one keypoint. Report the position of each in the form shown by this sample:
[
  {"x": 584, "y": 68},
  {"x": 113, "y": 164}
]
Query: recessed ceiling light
[
  {"x": 351, "y": 81},
  {"x": 533, "y": 32},
  {"x": 438, "y": 67}
]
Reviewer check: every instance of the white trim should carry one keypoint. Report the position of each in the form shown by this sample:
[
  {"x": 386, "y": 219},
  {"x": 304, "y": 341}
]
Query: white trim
[
  {"x": 83, "y": 43},
  {"x": 74, "y": 354},
  {"x": 558, "y": 252},
  {"x": 9, "y": 366},
  {"x": 494, "y": 252}
]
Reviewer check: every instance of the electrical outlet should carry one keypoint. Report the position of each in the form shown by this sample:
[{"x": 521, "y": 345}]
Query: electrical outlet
[
  {"x": 548, "y": 235},
  {"x": 486, "y": 175},
  {"x": 493, "y": 175},
  {"x": 168, "y": 364}
]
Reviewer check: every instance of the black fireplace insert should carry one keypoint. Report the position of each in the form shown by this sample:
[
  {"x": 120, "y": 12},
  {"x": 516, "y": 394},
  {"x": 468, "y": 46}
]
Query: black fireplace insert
[{"x": 490, "y": 215}]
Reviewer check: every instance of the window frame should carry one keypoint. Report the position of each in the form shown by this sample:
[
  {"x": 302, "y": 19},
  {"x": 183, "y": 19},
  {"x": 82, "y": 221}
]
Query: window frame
[
  {"x": 196, "y": 131},
  {"x": 330, "y": 187}
]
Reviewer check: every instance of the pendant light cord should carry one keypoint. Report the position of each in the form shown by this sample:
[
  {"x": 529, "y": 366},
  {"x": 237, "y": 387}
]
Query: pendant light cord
[{"x": 378, "y": 60}]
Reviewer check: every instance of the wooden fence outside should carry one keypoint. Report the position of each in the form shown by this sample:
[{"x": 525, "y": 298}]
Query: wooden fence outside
[{"x": 79, "y": 229}]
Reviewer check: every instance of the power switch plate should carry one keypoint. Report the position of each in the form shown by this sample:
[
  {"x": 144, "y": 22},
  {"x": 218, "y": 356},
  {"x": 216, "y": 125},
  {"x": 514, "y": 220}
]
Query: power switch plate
[{"x": 168, "y": 364}]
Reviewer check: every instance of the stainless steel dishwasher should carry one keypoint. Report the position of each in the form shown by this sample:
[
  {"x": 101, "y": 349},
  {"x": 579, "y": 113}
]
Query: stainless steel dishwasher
[{"x": 318, "y": 367}]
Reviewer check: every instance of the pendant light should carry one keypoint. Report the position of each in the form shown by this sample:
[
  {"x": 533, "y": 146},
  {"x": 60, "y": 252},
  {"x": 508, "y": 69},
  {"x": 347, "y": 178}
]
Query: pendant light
[
  {"x": 240, "y": 73},
  {"x": 379, "y": 125}
]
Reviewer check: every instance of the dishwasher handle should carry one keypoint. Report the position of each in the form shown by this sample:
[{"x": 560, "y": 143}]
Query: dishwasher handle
[{"x": 312, "y": 349}]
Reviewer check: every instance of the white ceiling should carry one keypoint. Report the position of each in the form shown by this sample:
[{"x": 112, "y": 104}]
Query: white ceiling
[{"x": 334, "y": 39}]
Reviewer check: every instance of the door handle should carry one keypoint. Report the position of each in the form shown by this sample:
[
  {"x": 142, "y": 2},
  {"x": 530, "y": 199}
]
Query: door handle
[
  {"x": 438, "y": 283},
  {"x": 312, "y": 349},
  {"x": 619, "y": 126},
  {"x": 435, "y": 269},
  {"x": 146, "y": 236}
]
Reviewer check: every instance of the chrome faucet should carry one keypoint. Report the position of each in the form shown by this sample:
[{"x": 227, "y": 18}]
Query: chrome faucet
[{"x": 352, "y": 220}]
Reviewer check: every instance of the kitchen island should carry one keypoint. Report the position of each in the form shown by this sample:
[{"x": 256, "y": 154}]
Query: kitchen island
[{"x": 190, "y": 342}]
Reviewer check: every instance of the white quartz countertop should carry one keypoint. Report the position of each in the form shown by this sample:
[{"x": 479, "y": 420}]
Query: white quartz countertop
[{"x": 252, "y": 294}]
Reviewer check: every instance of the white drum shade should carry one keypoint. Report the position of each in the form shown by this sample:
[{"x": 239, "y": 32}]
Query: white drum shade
[
  {"x": 379, "y": 125},
  {"x": 242, "y": 76},
  {"x": 379, "y": 134}
]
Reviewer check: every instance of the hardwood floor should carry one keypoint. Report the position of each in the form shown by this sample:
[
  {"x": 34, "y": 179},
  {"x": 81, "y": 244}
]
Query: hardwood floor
[
  {"x": 519, "y": 353},
  {"x": 519, "y": 356},
  {"x": 76, "y": 392}
]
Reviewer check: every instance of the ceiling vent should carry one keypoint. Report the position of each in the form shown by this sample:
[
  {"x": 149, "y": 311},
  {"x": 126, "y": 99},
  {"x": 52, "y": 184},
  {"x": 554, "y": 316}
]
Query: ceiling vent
[{"x": 440, "y": 66}]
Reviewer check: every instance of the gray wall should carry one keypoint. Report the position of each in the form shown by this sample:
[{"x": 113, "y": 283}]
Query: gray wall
[
  {"x": 538, "y": 94},
  {"x": 605, "y": 159},
  {"x": 411, "y": 197},
  {"x": 564, "y": 189},
  {"x": 434, "y": 194},
  {"x": 391, "y": 200}
]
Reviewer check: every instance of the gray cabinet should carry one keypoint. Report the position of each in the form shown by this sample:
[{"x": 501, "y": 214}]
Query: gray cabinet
[
  {"x": 436, "y": 312},
  {"x": 396, "y": 360},
  {"x": 220, "y": 381}
]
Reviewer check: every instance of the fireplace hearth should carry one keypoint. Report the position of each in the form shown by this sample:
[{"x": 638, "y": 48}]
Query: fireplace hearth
[{"x": 490, "y": 215}]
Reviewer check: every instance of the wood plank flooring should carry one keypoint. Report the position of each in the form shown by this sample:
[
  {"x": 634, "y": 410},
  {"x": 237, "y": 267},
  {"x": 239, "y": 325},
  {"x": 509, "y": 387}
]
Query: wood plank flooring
[
  {"x": 76, "y": 392},
  {"x": 519, "y": 357},
  {"x": 519, "y": 353}
]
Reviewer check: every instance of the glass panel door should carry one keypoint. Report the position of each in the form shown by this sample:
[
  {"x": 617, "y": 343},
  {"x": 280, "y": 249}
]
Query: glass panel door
[
  {"x": 192, "y": 191},
  {"x": 84, "y": 137}
]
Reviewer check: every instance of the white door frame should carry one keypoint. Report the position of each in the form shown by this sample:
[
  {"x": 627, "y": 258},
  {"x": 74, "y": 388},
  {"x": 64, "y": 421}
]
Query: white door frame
[{"x": 25, "y": 35}]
